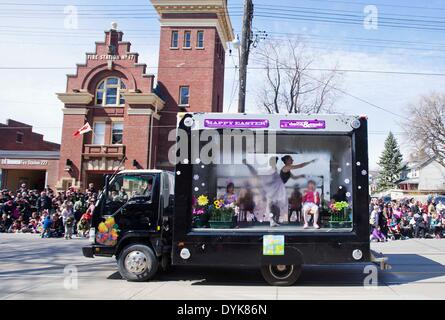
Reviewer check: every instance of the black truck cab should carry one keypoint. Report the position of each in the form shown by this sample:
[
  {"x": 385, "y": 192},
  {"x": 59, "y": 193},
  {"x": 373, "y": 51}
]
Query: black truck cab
[{"x": 135, "y": 208}]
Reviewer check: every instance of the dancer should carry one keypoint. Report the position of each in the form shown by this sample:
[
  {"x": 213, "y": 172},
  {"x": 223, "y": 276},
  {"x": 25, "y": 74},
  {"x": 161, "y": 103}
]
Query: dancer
[
  {"x": 274, "y": 190},
  {"x": 286, "y": 174}
]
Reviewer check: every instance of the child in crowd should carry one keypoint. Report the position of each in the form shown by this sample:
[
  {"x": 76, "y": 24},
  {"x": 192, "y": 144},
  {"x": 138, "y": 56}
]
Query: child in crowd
[
  {"x": 83, "y": 228},
  {"x": 47, "y": 223},
  {"x": 311, "y": 202}
]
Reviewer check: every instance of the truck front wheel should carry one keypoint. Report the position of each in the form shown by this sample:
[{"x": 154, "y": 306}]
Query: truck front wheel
[
  {"x": 281, "y": 275},
  {"x": 137, "y": 262}
]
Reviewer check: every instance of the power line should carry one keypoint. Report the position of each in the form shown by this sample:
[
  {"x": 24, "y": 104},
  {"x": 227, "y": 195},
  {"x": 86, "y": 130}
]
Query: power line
[
  {"x": 345, "y": 21},
  {"x": 251, "y": 68},
  {"x": 350, "y": 13}
]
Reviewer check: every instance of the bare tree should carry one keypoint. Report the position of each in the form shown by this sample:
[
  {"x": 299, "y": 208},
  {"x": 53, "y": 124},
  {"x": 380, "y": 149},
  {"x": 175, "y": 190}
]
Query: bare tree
[
  {"x": 290, "y": 84},
  {"x": 425, "y": 126}
]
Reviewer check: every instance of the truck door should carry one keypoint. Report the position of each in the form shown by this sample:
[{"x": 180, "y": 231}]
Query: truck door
[{"x": 134, "y": 200}]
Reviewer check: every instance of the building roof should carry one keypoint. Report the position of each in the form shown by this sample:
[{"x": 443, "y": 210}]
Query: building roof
[
  {"x": 15, "y": 154},
  {"x": 410, "y": 181}
]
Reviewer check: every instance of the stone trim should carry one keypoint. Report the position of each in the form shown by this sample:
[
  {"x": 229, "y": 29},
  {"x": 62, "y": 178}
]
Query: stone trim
[
  {"x": 75, "y": 111},
  {"x": 219, "y": 7},
  {"x": 75, "y": 97},
  {"x": 135, "y": 98}
]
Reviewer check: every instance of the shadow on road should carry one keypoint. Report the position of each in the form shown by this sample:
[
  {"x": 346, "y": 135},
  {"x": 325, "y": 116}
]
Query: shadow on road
[{"x": 406, "y": 268}]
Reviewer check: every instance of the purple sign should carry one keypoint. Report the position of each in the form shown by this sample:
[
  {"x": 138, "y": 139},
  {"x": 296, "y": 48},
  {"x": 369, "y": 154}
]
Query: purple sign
[
  {"x": 236, "y": 123},
  {"x": 302, "y": 124}
]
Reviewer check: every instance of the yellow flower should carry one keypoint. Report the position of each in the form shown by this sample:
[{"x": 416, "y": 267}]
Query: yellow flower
[
  {"x": 218, "y": 204},
  {"x": 203, "y": 200}
]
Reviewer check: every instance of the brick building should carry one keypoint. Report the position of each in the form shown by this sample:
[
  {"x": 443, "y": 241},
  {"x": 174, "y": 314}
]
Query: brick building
[
  {"x": 131, "y": 114},
  {"x": 25, "y": 157}
]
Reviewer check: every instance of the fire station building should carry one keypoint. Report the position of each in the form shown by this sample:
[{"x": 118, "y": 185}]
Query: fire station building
[{"x": 131, "y": 113}]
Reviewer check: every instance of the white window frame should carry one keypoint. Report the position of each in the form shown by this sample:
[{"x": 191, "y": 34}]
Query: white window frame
[
  {"x": 94, "y": 133},
  {"x": 189, "y": 32},
  {"x": 112, "y": 131},
  {"x": 176, "y": 32},
  {"x": 198, "y": 40},
  {"x": 180, "y": 97},
  {"x": 120, "y": 87}
]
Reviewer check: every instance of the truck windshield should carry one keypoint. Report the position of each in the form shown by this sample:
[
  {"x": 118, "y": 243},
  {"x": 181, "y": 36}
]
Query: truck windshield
[
  {"x": 294, "y": 182},
  {"x": 124, "y": 187}
]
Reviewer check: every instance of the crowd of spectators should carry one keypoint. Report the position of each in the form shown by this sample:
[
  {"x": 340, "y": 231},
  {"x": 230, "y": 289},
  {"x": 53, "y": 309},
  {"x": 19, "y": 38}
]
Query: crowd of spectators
[
  {"x": 49, "y": 213},
  {"x": 408, "y": 218}
]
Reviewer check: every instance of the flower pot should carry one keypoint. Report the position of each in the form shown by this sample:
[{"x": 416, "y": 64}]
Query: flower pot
[{"x": 221, "y": 224}]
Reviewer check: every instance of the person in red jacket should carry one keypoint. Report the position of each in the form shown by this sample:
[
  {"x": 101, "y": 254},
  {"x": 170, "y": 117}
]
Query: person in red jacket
[{"x": 311, "y": 201}]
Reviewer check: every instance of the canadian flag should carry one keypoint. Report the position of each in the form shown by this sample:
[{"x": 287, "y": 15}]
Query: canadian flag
[{"x": 86, "y": 128}]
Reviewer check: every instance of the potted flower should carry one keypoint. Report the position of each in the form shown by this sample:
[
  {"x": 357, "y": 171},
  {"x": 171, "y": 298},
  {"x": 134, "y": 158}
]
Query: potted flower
[
  {"x": 200, "y": 214},
  {"x": 222, "y": 215},
  {"x": 340, "y": 214}
]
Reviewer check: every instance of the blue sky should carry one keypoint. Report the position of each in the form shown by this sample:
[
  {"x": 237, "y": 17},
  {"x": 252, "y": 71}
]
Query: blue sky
[{"x": 36, "y": 35}]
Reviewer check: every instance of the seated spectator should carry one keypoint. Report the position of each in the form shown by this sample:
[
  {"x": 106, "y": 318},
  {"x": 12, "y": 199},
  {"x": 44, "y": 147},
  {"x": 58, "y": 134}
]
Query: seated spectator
[
  {"x": 406, "y": 228},
  {"x": 6, "y": 222},
  {"x": 420, "y": 226},
  {"x": 436, "y": 225},
  {"x": 15, "y": 227},
  {"x": 83, "y": 228}
]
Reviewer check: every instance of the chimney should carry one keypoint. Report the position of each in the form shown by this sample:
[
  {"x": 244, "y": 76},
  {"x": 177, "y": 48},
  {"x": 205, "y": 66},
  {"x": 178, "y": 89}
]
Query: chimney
[{"x": 112, "y": 38}]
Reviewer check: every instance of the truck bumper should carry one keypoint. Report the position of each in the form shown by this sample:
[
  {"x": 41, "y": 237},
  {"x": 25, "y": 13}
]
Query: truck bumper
[
  {"x": 88, "y": 251},
  {"x": 98, "y": 250}
]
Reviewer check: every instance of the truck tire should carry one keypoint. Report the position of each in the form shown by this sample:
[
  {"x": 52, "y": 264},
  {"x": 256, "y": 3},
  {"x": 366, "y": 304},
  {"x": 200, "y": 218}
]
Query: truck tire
[
  {"x": 137, "y": 262},
  {"x": 281, "y": 275}
]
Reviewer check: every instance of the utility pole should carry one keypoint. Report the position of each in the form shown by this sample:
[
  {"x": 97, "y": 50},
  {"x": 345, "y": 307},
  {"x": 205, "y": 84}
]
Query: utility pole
[{"x": 244, "y": 56}]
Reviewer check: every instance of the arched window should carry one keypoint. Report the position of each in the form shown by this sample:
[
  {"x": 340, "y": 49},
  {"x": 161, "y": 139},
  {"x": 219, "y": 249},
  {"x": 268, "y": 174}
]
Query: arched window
[{"x": 109, "y": 92}]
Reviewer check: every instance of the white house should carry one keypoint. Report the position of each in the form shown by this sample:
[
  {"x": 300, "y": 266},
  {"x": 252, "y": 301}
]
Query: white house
[{"x": 425, "y": 176}]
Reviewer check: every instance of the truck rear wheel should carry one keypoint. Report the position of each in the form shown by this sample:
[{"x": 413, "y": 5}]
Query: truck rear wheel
[
  {"x": 137, "y": 262},
  {"x": 281, "y": 275}
]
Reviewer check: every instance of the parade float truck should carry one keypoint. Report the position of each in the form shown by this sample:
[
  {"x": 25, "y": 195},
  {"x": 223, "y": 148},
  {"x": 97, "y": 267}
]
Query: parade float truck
[{"x": 274, "y": 192}]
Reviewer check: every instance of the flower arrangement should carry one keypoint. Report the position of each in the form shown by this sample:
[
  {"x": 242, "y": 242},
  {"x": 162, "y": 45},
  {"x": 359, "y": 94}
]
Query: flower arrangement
[
  {"x": 217, "y": 214},
  {"x": 223, "y": 212},
  {"x": 339, "y": 211}
]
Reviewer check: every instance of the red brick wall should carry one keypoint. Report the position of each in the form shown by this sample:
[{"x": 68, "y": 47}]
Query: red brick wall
[
  {"x": 72, "y": 147},
  {"x": 201, "y": 69},
  {"x": 137, "y": 139},
  {"x": 31, "y": 141}
]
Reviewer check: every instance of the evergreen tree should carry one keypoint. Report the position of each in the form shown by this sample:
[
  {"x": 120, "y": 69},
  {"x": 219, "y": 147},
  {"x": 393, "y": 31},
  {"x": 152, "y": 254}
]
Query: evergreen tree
[{"x": 390, "y": 163}]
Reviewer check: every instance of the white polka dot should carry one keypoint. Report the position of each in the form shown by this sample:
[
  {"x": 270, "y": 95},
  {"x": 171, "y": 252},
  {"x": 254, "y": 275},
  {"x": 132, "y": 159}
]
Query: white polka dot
[
  {"x": 196, "y": 189},
  {"x": 339, "y": 169},
  {"x": 186, "y": 161},
  {"x": 198, "y": 160},
  {"x": 196, "y": 177},
  {"x": 178, "y": 173},
  {"x": 360, "y": 187},
  {"x": 347, "y": 181},
  {"x": 364, "y": 172},
  {"x": 359, "y": 163},
  {"x": 348, "y": 194}
]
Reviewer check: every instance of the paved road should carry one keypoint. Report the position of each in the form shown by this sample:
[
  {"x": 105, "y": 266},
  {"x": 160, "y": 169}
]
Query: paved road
[{"x": 33, "y": 268}]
